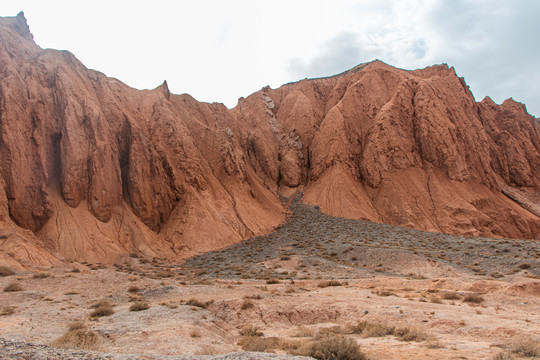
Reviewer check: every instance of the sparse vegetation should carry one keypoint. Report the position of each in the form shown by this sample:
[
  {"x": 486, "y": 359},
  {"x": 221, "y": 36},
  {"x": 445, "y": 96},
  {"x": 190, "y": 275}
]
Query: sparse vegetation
[
  {"x": 251, "y": 331},
  {"x": 7, "y": 310},
  {"x": 101, "y": 308},
  {"x": 336, "y": 348},
  {"x": 133, "y": 289},
  {"x": 197, "y": 303},
  {"x": 247, "y": 305},
  {"x": 411, "y": 334},
  {"x": 371, "y": 329},
  {"x": 12, "y": 287},
  {"x": 473, "y": 298},
  {"x": 139, "y": 306},
  {"x": 328, "y": 283},
  {"x": 6, "y": 271},
  {"x": 368, "y": 329},
  {"x": 451, "y": 295},
  {"x": 41, "y": 275},
  {"x": 255, "y": 343},
  {"x": 253, "y": 297},
  {"x": 527, "y": 347},
  {"x": 78, "y": 337}
]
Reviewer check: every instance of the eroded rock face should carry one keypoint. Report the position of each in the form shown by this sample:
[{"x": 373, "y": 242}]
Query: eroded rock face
[{"x": 96, "y": 170}]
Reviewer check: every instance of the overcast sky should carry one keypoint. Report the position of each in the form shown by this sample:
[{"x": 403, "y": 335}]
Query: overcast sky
[{"x": 222, "y": 50}]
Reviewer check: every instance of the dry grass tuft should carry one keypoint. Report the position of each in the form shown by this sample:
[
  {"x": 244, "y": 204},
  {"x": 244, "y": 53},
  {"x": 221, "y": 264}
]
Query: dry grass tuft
[
  {"x": 5, "y": 271},
  {"x": 527, "y": 347},
  {"x": 367, "y": 329},
  {"x": 328, "y": 283},
  {"x": 41, "y": 275},
  {"x": 139, "y": 306},
  {"x": 78, "y": 337},
  {"x": 384, "y": 293},
  {"x": 256, "y": 343},
  {"x": 207, "y": 350},
  {"x": 247, "y": 304},
  {"x": 503, "y": 356},
  {"x": 253, "y": 297},
  {"x": 7, "y": 310},
  {"x": 12, "y": 287},
  {"x": 198, "y": 303},
  {"x": 473, "y": 298},
  {"x": 451, "y": 295},
  {"x": 101, "y": 308},
  {"x": 251, "y": 331},
  {"x": 336, "y": 347},
  {"x": 134, "y": 289},
  {"x": 411, "y": 334}
]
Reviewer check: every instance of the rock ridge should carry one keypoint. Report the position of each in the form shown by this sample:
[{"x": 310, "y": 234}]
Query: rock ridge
[{"x": 94, "y": 170}]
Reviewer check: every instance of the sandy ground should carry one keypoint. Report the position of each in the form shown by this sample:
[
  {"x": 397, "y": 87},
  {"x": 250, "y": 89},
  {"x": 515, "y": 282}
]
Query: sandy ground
[{"x": 297, "y": 309}]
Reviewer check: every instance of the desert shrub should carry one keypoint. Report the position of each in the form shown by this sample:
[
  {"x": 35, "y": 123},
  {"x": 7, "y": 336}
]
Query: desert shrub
[
  {"x": 7, "y": 310},
  {"x": 76, "y": 325},
  {"x": 139, "y": 306},
  {"x": 164, "y": 274},
  {"x": 435, "y": 300},
  {"x": 527, "y": 347},
  {"x": 304, "y": 332},
  {"x": 328, "y": 283},
  {"x": 336, "y": 348},
  {"x": 411, "y": 334},
  {"x": 207, "y": 350},
  {"x": 41, "y": 275},
  {"x": 247, "y": 305},
  {"x": 78, "y": 337},
  {"x": 133, "y": 289},
  {"x": 503, "y": 356},
  {"x": 12, "y": 287},
  {"x": 331, "y": 330},
  {"x": 524, "y": 266},
  {"x": 197, "y": 303},
  {"x": 367, "y": 329},
  {"x": 255, "y": 343},
  {"x": 473, "y": 298},
  {"x": 272, "y": 281},
  {"x": 254, "y": 297},
  {"x": 5, "y": 271},
  {"x": 251, "y": 331},
  {"x": 102, "y": 302},
  {"x": 295, "y": 346},
  {"x": 451, "y": 295},
  {"x": 385, "y": 293},
  {"x": 102, "y": 308}
]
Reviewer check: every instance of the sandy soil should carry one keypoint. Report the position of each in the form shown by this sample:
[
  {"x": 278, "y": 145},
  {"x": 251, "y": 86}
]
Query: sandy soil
[{"x": 455, "y": 329}]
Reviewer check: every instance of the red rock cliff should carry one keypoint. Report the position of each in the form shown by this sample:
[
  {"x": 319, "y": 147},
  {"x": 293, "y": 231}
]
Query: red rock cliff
[{"x": 93, "y": 169}]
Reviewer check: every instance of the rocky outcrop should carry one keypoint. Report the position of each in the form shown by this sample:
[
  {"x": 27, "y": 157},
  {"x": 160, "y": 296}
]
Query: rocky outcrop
[{"x": 95, "y": 170}]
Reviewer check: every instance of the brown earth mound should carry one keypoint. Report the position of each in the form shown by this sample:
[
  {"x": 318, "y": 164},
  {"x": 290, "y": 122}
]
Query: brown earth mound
[{"x": 94, "y": 170}]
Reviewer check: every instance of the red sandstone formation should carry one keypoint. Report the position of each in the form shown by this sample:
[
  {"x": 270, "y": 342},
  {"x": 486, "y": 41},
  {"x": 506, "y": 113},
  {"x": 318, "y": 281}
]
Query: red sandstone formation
[{"x": 93, "y": 169}]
